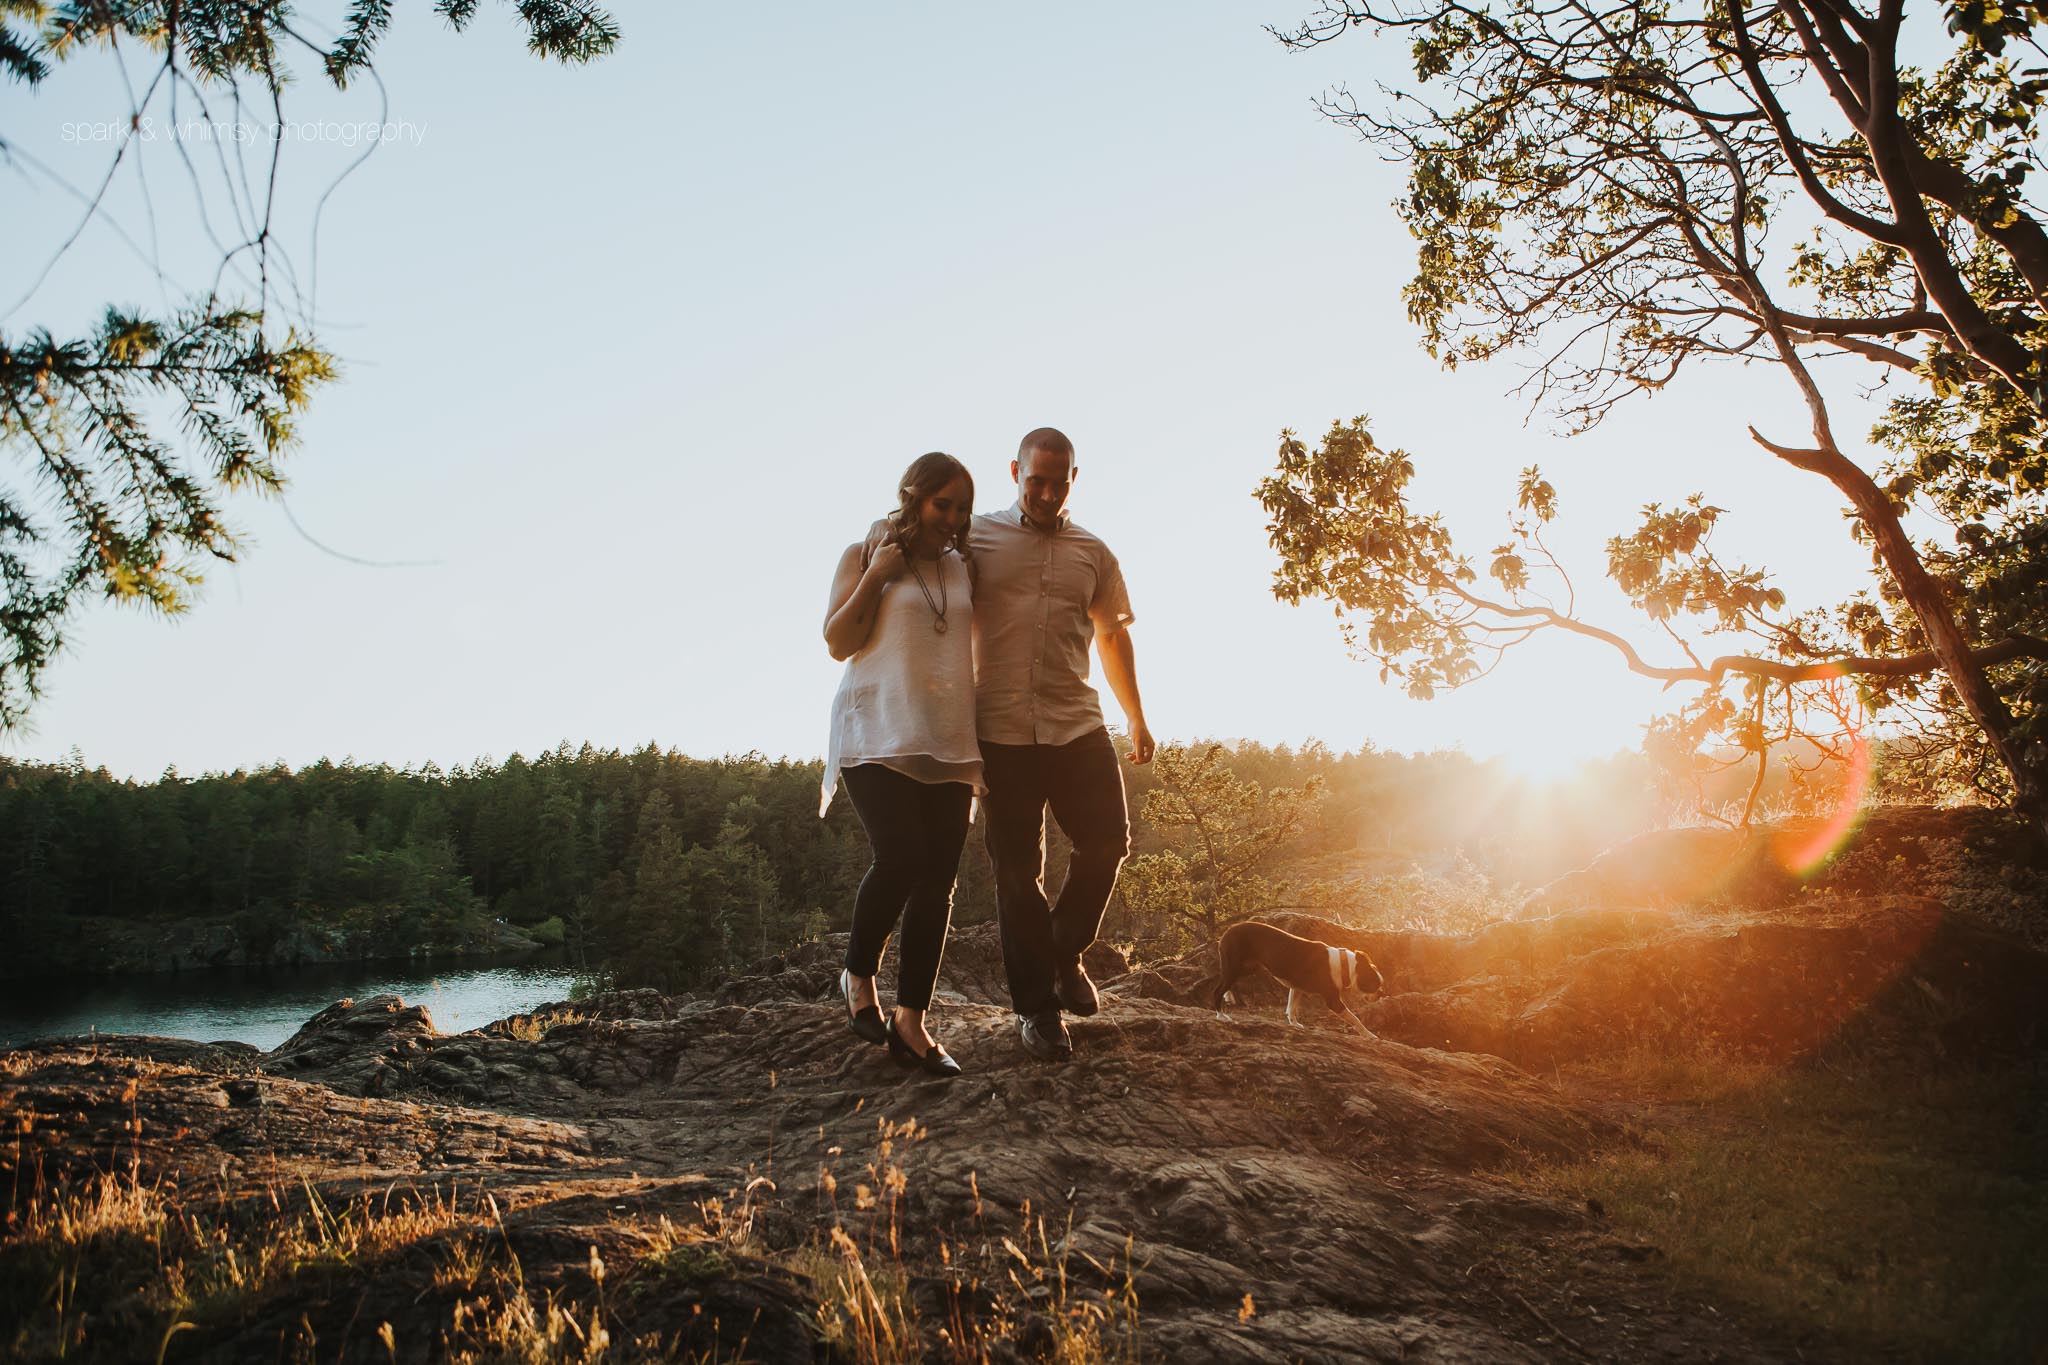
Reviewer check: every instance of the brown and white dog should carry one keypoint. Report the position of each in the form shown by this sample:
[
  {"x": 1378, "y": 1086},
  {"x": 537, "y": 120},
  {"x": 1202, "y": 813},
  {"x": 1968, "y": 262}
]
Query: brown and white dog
[{"x": 1306, "y": 966}]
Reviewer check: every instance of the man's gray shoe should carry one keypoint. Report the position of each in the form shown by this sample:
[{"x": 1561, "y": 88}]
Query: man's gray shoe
[
  {"x": 1075, "y": 991},
  {"x": 1045, "y": 1036}
]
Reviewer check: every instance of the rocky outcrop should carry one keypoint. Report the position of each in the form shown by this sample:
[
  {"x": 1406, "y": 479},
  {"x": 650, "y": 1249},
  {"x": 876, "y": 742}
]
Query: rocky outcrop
[
  {"x": 971, "y": 970},
  {"x": 1270, "y": 1193},
  {"x": 1676, "y": 867},
  {"x": 1901, "y": 973},
  {"x": 731, "y": 1174},
  {"x": 185, "y": 1123},
  {"x": 1984, "y": 863},
  {"x": 1340, "y": 1183}
]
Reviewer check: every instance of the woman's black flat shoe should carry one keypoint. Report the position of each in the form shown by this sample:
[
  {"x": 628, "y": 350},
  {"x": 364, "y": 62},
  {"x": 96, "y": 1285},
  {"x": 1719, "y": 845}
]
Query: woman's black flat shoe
[
  {"x": 934, "y": 1063},
  {"x": 866, "y": 1022}
]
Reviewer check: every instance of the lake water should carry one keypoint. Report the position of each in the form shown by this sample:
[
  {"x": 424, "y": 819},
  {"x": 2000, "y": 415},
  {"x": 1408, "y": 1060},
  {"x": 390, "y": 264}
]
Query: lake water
[{"x": 266, "y": 1006}]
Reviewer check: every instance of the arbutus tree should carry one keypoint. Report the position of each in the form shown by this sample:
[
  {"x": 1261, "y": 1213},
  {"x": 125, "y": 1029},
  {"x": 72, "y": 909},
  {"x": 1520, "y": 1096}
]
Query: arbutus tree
[{"x": 1626, "y": 187}]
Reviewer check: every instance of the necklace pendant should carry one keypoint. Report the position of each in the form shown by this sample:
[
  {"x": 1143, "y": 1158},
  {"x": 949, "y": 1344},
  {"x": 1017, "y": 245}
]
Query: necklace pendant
[{"x": 939, "y": 624}]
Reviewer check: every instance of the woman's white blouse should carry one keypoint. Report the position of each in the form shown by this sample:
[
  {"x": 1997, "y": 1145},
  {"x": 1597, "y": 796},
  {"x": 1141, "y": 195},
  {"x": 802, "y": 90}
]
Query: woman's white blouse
[{"x": 907, "y": 699}]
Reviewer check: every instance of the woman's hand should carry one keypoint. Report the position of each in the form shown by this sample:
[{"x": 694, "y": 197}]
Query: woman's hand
[
  {"x": 887, "y": 563},
  {"x": 857, "y": 595}
]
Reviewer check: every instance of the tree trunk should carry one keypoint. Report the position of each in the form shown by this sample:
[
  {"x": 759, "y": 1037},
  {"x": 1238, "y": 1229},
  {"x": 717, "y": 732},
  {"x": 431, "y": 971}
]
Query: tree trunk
[{"x": 2024, "y": 762}]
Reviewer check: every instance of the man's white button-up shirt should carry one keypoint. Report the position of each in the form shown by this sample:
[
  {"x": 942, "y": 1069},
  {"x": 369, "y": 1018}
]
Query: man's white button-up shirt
[{"x": 1037, "y": 597}]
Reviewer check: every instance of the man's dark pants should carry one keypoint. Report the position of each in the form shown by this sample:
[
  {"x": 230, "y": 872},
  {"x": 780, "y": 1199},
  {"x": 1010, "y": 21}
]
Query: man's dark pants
[{"x": 1083, "y": 784}]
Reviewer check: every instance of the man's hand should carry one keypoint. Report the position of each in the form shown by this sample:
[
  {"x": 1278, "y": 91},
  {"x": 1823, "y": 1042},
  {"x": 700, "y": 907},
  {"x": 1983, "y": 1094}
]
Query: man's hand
[
  {"x": 1120, "y": 671},
  {"x": 1141, "y": 742}
]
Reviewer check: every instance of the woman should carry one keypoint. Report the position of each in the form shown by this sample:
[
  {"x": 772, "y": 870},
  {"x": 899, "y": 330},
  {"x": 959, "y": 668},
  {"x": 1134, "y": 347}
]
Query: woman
[{"x": 903, "y": 738}]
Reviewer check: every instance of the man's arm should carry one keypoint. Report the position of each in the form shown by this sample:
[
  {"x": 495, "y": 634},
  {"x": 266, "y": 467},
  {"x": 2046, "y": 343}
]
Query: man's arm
[{"x": 1120, "y": 671}]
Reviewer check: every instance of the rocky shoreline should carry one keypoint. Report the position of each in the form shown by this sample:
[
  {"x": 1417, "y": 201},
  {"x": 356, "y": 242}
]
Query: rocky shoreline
[{"x": 683, "y": 1172}]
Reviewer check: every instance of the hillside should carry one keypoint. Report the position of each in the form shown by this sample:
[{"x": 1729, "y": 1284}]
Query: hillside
[{"x": 729, "y": 1175}]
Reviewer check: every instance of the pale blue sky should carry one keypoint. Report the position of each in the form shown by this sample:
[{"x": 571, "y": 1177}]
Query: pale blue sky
[{"x": 634, "y": 349}]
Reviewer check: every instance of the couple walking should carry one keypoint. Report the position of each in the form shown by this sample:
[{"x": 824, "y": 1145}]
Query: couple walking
[{"x": 966, "y": 639}]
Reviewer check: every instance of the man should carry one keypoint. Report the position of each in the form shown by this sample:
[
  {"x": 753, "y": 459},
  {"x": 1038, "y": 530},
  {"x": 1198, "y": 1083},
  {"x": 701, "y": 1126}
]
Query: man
[{"x": 1044, "y": 588}]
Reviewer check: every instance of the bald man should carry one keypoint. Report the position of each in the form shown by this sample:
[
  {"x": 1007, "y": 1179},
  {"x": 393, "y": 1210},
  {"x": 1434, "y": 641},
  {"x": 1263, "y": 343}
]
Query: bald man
[{"x": 1044, "y": 590}]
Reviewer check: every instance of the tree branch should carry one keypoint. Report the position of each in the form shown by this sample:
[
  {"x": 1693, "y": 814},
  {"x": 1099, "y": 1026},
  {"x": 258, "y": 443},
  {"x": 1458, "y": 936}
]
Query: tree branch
[{"x": 1747, "y": 665}]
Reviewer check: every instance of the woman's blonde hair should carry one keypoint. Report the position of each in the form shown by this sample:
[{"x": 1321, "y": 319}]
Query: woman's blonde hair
[{"x": 927, "y": 475}]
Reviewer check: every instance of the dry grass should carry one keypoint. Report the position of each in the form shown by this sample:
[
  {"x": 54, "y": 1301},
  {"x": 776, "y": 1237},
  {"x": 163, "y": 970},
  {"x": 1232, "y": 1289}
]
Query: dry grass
[
  {"x": 531, "y": 1028},
  {"x": 113, "y": 1270},
  {"x": 117, "y": 1268},
  {"x": 1901, "y": 1212},
  {"x": 504, "y": 1325},
  {"x": 121, "y": 1256},
  {"x": 866, "y": 1312},
  {"x": 1003, "y": 1282}
]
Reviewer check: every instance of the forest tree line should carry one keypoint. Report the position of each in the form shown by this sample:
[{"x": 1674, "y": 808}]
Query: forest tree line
[{"x": 656, "y": 867}]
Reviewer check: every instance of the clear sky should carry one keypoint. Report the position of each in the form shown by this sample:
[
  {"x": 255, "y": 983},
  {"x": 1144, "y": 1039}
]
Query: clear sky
[{"x": 633, "y": 350}]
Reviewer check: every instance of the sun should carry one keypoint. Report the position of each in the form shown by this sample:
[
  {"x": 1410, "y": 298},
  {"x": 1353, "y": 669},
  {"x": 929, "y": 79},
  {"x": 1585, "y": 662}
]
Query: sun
[
  {"x": 1554, "y": 754},
  {"x": 1555, "y": 715}
]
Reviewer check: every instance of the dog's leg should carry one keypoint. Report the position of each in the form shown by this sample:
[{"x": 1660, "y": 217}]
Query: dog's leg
[
  {"x": 1292, "y": 1017},
  {"x": 1356, "y": 1022},
  {"x": 1219, "y": 992},
  {"x": 1226, "y": 976}
]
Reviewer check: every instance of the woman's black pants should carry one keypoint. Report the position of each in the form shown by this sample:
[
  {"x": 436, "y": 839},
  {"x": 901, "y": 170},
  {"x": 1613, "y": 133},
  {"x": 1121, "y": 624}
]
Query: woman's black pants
[{"x": 917, "y": 830}]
